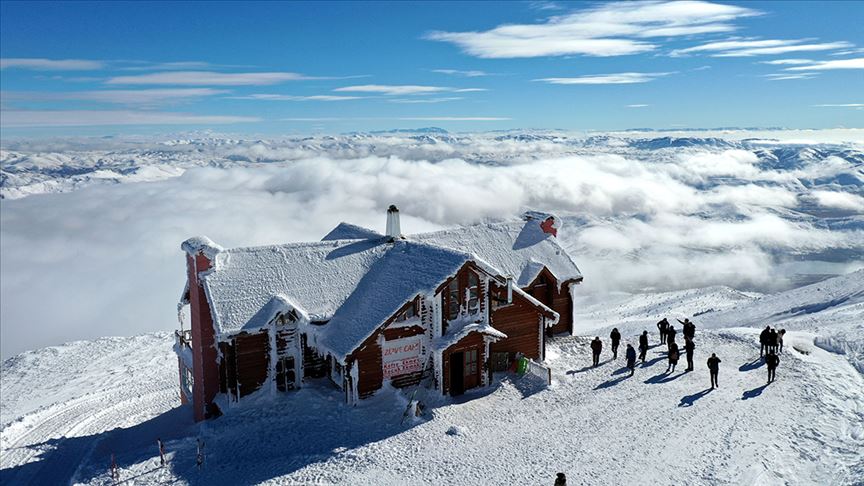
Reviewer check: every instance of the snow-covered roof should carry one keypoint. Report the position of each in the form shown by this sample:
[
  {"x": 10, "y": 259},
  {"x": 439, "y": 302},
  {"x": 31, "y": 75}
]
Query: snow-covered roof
[
  {"x": 407, "y": 270},
  {"x": 520, "y": 249},
  {"x": 348, "y": 231},
  {"x": 317, "y": 277},
  {"x": 279, "y": 304}
]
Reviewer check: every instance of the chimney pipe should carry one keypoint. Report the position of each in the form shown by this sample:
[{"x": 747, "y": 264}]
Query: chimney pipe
[
  {"x": 509, "y": 289},
  {"x": 393, "y": 229}
]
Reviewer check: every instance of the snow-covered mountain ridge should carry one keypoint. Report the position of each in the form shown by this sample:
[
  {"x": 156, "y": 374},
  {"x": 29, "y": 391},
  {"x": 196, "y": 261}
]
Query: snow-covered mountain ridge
[{"x": 67, "y": 408}]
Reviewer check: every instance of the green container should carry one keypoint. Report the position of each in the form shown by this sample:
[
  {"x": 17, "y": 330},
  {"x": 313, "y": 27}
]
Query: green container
[{"x": 522, "y": 366}]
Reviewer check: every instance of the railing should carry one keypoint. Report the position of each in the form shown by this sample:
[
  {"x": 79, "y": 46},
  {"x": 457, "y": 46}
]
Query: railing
[
  {"x": 540, "y": 371},
  {"x": 183, "y": 338}
]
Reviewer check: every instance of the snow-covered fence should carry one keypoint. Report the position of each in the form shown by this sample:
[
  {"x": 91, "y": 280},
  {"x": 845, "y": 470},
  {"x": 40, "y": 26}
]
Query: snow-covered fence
[{"x": 540, "y": 371}]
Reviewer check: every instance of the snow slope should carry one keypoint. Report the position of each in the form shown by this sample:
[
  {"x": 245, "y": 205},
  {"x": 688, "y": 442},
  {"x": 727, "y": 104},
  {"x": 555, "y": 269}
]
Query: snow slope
[{"x": 597, "y": 425}]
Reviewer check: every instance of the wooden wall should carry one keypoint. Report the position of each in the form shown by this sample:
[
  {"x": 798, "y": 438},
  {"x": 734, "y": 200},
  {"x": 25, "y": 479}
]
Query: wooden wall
[{"x": 520, "y": 322}]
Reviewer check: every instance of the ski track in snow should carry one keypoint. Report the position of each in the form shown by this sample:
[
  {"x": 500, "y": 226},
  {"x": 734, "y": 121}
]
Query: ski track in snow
[{"x": 67, "y": 408}]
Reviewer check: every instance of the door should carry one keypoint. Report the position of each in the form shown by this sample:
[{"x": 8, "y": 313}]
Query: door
[
  {"x": 457, "y": 374},
  {"x": 471, "y": 367}
]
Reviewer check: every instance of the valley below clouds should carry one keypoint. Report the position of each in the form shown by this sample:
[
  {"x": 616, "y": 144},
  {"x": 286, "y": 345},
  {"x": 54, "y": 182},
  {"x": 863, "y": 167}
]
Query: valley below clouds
[{"x": 91, "y": 228}]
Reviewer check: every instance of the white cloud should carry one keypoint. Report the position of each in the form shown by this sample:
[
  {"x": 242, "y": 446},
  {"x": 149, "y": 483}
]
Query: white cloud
[
  {"x": 126, "y": 97},
  {"x": 789, "y": 62},
  {"x": 281, "y": 97},
  {"x": 465, "y": 74},
  {"x": 758, "y": 47},
  {"x": 209, "y": 78},
  {"x": 789, "y": 76},
  {"x": 638, "y": 106},
  {"x": 81, "y": 118},
  {"x": 454, "y": 118},
  {"x": 51, "y": 64},
  {"x": 402, "y": 90},
  {"x": 425, "y": 100},
  {"x": 612, "y": 29},
  {"x": 843, "y": 105},
  {"x": 839, "y": 200},
  {"x": 619, "y": 78},
  {"x": 857, "y": 63}
]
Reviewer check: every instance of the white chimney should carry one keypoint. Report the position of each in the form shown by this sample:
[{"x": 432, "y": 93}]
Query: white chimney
[{"x": 393, "y": 229}]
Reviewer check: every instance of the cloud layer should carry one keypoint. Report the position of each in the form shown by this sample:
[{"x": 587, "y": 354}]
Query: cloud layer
[{"x": 104, "y": 260}]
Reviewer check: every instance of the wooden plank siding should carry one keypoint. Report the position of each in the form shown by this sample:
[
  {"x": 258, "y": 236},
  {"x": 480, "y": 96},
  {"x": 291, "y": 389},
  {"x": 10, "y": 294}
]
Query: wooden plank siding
[
  {"x": 520, "y": 322},
  {"x": 545, "y": 288},
  {"x": 253, "y": 361}
]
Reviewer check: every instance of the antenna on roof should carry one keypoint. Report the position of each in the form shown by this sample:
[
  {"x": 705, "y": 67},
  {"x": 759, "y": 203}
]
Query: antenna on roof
[{"x": 393, "y": 229}]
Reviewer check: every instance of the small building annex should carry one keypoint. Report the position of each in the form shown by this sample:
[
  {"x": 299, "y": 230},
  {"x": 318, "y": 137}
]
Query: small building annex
[{"x": 360, "y": 308}]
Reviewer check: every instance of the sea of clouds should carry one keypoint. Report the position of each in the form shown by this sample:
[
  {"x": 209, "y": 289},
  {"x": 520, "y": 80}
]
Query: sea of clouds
[{"x": 90, "y": 229}]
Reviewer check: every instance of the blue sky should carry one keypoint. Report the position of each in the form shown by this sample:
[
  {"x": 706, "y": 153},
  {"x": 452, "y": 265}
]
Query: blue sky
[{"x": 271, "y": 68}]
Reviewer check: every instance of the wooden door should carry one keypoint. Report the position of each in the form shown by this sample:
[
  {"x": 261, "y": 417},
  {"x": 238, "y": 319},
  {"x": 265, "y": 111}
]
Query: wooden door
[
  {"x": 457, "y": 374},
  {"x": 471, "y": 369}
]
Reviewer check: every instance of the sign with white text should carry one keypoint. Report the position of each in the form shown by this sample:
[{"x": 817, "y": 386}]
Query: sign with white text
[{"x": 401, "y": 357}]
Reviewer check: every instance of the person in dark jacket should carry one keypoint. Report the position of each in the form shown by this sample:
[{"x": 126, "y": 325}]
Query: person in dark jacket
[
  {"x": 673, "y": 356},
  {"x": 714, "y": 369},
  {"x": 763, "y": 340},
  {"x": 670, "y": 337},
  {"x": 630, "y": 354},
  {"x": 615, "y": 336},
  {"x": 688, "y": 349},
  {"x": 643, "y": 345},
  {"x": 561, "y": 480},
  {"x": 772, "y": 360},
  {"x": 663, "y": 326},
  {"x": 161, "y": 447},
  {"x": 772, "y": 341},
  {"x": 596, "y": 348},
  {"x": 780, "y": 334},
  {"x": 688, "y": 329}
]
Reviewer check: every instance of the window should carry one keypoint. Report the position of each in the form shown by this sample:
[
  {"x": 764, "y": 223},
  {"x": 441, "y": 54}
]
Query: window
[
  {"x": 453, "y": 299},
  {"x": 471, "y": 362},
  {"x": 473, "y": 293},
  {"x": 408, "y": 313}
]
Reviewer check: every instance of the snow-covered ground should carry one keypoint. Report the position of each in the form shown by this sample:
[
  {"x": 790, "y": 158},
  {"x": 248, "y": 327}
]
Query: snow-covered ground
[{"x": 67, "y": 408}]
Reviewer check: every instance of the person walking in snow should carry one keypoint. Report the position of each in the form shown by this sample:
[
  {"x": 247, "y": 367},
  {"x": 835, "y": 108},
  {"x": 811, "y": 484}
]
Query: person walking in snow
[
  {"x": 780, "y": 335},
  {"x": 714, "y": 369},
  {"x": 615, "y": 336},
  {"x": 673, "y": 356},
  {"x": 561, "y": 480},
  {"x": 670, "y": 336},
  {"x": 630, "y": 354},
  {"x": 688, "y": 349},
  {"x": 763, "y": 340},
  {"x": 772, "y": 341},
  {"x": 643, "y": 345},
  {"x": 772, "y": 360},
  {"x": 663, "y": 326},
  {"x": 596, "y": 348},
  {"x": 161, "y": 447}
]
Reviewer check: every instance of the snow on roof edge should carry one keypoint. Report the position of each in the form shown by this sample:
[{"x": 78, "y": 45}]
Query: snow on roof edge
[{"x": 201, "y": 244}]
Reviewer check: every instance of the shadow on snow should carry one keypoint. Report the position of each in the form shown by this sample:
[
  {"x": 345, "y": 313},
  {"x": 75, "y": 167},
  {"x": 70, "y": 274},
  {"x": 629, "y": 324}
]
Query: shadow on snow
[
  {"x": 663, "y": 377},
  {"x": 754, "y": 392},
  {"x": 689, "y": 400},
  {"x": 612, "y": 382},
  {"x": 756, "y": 363}
]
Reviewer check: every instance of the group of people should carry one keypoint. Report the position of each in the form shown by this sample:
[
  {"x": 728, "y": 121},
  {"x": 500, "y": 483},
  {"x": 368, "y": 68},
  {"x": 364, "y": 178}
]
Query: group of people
[{"x": 771, "y": 341}]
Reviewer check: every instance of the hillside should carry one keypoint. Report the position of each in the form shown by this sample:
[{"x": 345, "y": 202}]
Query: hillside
[{"x": 71, "y": 406}]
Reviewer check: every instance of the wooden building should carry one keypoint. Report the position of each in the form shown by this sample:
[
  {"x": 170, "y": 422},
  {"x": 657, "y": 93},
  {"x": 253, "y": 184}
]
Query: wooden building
[{"x": 360, "y": 309}]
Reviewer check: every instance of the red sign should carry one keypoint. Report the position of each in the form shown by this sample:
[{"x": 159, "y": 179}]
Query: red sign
[{"x": 401, "y": 357}]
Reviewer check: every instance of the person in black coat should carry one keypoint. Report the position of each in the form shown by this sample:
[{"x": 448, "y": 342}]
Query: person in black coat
[
  {"x": 688, "y": 329},
  {"x": 673, "y": 356},
  {"x": 615, "y": 336},
  {"x": 780, "y": 334},
  {"x": 763, "y": 340},
  {"x": 772, "y": 360},
  {"x": 630, "y": 354},
  {"x": 688, "y": 348},
  {"x": 596, "y": 348},
  {"x": 663, "y": 326},
  {"x": 670, "y": 337},
  {"x": 643, "y": 345},
  {"x": 714, "y": 369},
  {"x": 772, "y": 341},
  {"x": 561, "y": 480}
]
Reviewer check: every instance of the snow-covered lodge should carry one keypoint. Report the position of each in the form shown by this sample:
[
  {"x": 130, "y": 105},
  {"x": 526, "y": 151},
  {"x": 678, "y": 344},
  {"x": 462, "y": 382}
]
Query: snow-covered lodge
[{"x": 360, "y": 308}]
